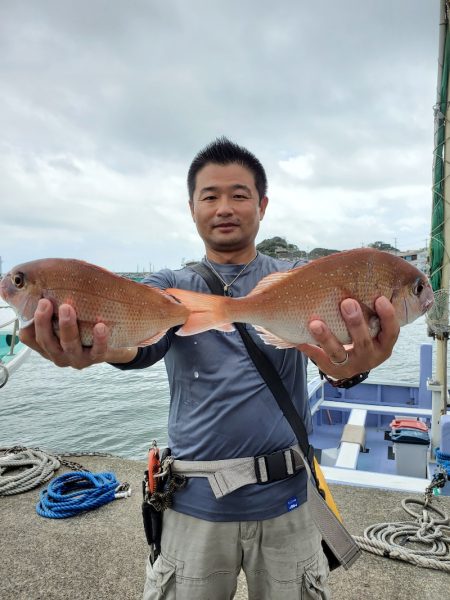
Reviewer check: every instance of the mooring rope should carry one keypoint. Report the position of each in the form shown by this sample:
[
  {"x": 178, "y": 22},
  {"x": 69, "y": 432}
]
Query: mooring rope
[
  {"x": 31, "y": 467},
  {"x": 77, "y": 492},
  {"x": 424, "y": 542}
]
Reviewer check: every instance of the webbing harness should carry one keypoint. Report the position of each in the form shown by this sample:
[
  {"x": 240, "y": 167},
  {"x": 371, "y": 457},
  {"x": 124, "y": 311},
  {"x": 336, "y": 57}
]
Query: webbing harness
[
  {"x": 226, "y": 476},
  {"x": 338, "y": 544}
]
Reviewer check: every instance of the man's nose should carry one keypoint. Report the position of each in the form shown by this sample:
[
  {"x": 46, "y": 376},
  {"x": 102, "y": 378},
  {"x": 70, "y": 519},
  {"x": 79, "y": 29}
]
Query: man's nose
[{"x": 224, "y": 206}]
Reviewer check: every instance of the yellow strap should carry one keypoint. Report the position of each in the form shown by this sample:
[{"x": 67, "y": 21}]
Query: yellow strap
[{"x": 324, "y": 486}]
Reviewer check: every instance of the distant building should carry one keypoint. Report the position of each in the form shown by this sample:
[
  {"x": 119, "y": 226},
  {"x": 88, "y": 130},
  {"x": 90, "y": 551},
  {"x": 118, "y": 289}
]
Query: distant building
[
  {"x": 418, "y": 258},
  {"x": 189, "y": 262}
]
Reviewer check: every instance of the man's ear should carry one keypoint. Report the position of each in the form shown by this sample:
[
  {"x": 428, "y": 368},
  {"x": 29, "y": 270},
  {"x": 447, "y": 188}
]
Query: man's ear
[
  {"x": 191, "y": 207},
  {"x": 262, "y": 207}
]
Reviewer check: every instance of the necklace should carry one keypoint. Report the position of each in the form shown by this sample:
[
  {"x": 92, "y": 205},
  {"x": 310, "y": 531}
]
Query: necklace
[{"x": 227, "y": 286}]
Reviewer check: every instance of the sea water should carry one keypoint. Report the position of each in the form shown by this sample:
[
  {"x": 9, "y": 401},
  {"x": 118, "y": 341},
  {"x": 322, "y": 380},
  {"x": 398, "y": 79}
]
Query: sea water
[{"x": 102, "y": 409}]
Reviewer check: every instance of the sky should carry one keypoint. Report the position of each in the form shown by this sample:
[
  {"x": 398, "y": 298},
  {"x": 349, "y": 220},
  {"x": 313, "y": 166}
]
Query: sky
[{"x": 103, "y": 105}]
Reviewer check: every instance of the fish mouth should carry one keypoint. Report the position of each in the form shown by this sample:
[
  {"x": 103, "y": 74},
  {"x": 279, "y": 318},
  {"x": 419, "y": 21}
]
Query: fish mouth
[{"x": 427, "y": 305}]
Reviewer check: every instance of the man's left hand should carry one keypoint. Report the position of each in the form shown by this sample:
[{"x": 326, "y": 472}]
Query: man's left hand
[{"x": 365, "y": 352}]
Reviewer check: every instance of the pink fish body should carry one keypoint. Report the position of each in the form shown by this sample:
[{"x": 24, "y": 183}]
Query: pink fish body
[
  {"x": 283, "y": 304},
  {"x": 136, "y": 314}
]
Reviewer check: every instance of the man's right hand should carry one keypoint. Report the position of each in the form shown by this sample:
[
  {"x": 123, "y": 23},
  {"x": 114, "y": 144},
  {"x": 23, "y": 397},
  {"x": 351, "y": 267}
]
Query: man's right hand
[{"x": 67, "y": 351}]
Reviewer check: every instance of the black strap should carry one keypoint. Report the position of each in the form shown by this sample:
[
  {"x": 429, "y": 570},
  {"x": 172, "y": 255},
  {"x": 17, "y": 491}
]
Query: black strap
[{"x": 265, "y": 367}]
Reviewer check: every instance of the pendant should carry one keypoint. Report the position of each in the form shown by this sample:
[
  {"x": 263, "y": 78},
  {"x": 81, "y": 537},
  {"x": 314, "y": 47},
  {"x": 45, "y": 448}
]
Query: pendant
[{"x": 225, "y": 289}]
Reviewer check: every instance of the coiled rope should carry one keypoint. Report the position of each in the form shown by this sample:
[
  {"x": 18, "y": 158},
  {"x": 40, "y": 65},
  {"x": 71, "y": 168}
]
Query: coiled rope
[
  {"x": 424, "y": 542},
  {"x": 35, "y": 467},
  {"x": 73, "y": 493}
]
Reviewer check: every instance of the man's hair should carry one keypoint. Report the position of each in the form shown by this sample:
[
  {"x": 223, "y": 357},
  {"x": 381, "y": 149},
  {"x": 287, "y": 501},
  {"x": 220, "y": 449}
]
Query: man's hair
[{"x": 224, "y": 152}]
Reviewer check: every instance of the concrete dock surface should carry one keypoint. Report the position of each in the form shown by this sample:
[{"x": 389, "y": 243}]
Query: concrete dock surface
[{"x": 101, "y": 554}]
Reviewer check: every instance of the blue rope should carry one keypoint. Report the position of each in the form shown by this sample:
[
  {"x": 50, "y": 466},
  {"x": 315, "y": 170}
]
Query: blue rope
[
  {"x": 76, "y": 492},
  {"x": 443, "y": 460}
]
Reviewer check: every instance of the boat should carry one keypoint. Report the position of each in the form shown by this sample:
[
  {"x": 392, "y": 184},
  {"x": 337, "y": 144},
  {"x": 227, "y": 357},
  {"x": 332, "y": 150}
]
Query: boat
[
  {"x": 12, "y": 352},
  {"x": 388, "y": 435}
]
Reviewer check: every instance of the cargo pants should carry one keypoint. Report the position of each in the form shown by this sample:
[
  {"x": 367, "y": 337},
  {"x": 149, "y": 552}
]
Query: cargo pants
[{"x": 282, "y": 559}]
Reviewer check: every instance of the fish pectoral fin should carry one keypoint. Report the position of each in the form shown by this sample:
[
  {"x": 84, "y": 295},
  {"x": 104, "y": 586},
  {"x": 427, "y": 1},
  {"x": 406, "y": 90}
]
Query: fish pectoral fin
[
  {"x": 24, "y": 324},
  {"x": 272, "y": 340},
  {"x": 268, "y": 281},
  {"x": 371, "y": 318},
  {"x": 153, "y": 339}
]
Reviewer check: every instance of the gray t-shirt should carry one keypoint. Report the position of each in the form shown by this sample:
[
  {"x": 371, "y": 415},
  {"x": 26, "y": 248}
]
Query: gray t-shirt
[{"x": 221, "y": 408}]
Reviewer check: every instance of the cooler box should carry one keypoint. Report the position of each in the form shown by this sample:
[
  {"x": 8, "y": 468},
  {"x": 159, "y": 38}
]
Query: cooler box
[{"x": 411, "y": 442}]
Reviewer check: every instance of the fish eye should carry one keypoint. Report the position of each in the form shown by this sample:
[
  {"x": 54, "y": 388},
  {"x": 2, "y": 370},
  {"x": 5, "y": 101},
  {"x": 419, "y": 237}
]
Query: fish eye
[
  {"x": 18, "y": 280},
  {"x": 418, "y": 287}
]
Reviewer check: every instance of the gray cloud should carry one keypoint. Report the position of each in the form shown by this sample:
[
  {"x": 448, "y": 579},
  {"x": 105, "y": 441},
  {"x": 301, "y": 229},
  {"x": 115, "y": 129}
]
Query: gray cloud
[{"x": 104, "y": 104}]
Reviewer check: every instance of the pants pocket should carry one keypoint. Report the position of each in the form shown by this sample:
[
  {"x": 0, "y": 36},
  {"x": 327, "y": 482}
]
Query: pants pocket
[
  {"x": 160, "y": 582},
  {"x": 315, "y": 579}
]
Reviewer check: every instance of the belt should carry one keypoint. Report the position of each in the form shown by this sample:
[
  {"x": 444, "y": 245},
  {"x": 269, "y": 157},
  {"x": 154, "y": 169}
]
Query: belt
[{"x": 226, "y": 476}]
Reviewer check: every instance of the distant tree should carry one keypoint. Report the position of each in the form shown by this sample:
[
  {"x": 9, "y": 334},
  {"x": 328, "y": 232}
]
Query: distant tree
[
  {"x": 277, "y": 246},
  {"x": 270, "y": 245},
  {"x": 319, "y": 252},
  {"x": 383, "y": 246}
]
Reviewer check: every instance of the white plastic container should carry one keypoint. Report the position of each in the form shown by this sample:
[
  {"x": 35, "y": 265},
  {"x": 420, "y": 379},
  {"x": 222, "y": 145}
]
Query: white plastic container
[{"x": 411, "y": 459}]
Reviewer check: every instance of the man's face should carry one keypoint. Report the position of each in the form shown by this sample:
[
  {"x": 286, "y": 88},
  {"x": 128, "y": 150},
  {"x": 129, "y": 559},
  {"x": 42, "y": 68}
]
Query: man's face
[{"x": 226, "y": 207}]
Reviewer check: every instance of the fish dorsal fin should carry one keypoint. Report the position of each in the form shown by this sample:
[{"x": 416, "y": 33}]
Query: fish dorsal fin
[
  {"x": 272, "y": 340},
  {"x": 268, "y": 281}
]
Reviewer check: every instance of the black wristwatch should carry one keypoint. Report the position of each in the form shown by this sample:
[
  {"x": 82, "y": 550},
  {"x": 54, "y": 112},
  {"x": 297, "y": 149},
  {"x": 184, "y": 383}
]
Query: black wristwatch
[{"x": 345, "y": 383}]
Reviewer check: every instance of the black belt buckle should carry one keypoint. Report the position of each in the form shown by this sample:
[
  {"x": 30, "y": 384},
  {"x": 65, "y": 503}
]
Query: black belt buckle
[{"x": 276, "y": 467}]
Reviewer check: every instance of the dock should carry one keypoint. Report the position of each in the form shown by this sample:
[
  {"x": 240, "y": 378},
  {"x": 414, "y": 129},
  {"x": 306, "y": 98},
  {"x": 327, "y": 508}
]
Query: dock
[{"x": 101, "y": 554}]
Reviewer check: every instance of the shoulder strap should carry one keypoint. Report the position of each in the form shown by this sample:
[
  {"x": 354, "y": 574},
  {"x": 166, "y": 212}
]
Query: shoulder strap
[{"x": 266, "y": 369}]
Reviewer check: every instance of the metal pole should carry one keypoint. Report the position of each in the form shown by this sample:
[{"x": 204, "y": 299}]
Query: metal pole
[
  {"x": 439, "y": 385},
  {"x": 441, "y": 345}
]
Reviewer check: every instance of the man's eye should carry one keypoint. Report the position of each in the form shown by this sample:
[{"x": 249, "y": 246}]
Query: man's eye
[
  {"x": 209, "y": 198},
  {"x": 240, "y": 196}
]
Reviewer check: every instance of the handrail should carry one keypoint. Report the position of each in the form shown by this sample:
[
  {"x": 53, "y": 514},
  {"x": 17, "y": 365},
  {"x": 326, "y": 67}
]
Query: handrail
[
  {"x": 15, "y": 320},
  {"x": 14, "y": 337}
]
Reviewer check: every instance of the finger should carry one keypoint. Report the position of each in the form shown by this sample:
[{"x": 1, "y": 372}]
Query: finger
[
  {"x": 356, "y": 324},
  {"x": 100, "y": 343},
  {"x": 327, "y": 341},
  {"x": 314, "y": 353},
  {"x": 390, "y": 327},
  {"x": 69, "y": 335},
  {"x": 45, "y": 336},
  {"x": 27, "y": 336}
]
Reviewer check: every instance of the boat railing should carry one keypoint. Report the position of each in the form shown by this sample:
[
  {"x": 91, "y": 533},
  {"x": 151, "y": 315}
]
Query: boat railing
[
  {"x": 14, "y": 321},
  {"x": 316, "y": 394}
]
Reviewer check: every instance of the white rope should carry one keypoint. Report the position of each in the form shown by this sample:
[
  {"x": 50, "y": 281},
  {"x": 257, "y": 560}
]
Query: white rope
[
  {"x": 30, "y": 467},
  {"x": 424, "y": 542}
]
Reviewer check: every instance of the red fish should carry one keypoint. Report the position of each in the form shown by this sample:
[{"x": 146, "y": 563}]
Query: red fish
[
  {"x": 283, "y": 304},
  {"x": 136, "y": 314}
]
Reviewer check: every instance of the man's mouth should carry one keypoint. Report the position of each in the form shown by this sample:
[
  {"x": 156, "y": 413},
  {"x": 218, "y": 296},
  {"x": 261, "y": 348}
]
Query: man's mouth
[{"x": 225, "y": 226}]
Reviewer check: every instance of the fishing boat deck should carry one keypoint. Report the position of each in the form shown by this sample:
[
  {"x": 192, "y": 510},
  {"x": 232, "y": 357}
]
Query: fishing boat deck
[{"x": 101, "y": 554}]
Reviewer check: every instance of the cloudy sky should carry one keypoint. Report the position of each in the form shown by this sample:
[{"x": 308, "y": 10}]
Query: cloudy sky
[{"x": 103, "y": 104}]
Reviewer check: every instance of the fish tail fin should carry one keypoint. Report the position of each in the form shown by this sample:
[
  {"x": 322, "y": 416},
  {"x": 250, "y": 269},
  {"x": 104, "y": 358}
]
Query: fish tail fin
[{"x": 206, "y": 312}]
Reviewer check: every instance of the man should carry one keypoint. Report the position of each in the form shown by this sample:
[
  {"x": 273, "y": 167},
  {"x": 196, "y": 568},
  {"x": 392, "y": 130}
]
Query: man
[{"x": 220, "y": 408}]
